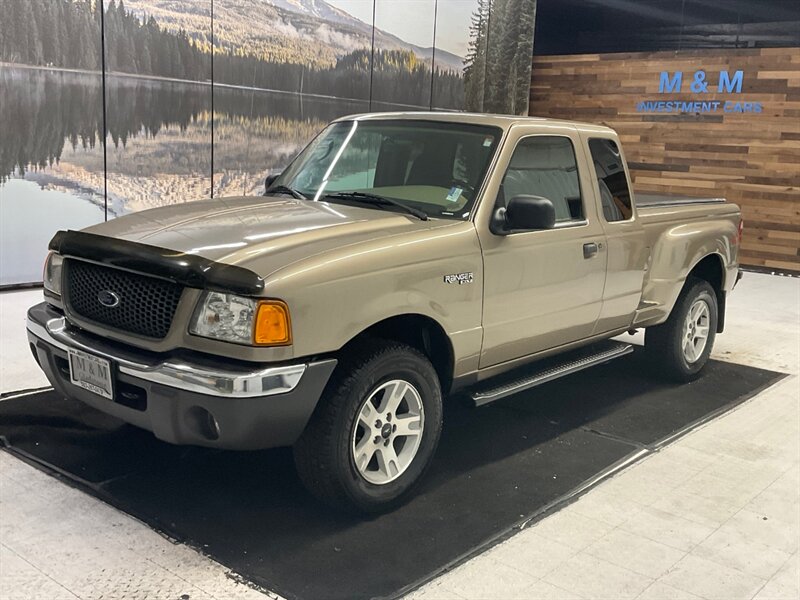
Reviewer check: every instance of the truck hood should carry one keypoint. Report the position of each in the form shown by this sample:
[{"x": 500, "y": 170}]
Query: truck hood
[{"x": 263, "y": 234}]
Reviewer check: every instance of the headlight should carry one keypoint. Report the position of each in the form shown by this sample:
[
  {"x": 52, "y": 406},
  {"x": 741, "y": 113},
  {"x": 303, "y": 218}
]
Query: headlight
[
  {"x": 52, "y": 273},
  {"x": 242, "y": 320}
]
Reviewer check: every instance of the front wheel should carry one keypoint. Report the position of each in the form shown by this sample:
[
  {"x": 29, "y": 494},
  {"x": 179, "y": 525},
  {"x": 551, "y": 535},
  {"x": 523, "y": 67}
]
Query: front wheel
[
  {"x": 680, "y": 346},
  {"x": 375, "y": 431}
]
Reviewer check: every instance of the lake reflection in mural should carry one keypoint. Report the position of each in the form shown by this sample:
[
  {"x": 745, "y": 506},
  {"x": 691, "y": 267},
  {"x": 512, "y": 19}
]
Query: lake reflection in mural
[
  {"x": 158, "y": 145},
  {"x": 257, "y": 132},
  {"x": 281, "y": 70},
  {"x": 51, "y": 163}
]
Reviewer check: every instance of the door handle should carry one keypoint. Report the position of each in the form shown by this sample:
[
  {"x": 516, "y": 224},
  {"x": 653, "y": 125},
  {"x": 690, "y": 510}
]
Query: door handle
[{"x": 589, "y": 250}]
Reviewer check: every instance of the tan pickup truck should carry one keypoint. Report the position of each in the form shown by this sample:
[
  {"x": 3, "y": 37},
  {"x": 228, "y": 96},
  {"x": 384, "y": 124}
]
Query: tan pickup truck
[{"x": 399, "y": 257}]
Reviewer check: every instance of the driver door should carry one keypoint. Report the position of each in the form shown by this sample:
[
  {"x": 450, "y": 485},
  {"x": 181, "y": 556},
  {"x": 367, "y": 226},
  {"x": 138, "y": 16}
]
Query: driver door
[{"x": 542, "y": 289}]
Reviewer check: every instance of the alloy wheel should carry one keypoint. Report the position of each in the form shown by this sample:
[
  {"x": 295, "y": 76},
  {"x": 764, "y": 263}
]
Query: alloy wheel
[
  {"x": 388, "y": 431},
  {"x": 695, "y": 331}
]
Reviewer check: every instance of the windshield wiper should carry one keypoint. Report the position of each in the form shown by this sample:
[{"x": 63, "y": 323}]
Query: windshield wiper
[
  {"x": 377, "y": 200},
  {"x": 285, "y": 189}
]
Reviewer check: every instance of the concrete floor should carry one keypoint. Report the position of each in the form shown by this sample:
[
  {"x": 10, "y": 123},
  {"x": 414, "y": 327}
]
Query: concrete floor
[{"x": 714, "y": 515}]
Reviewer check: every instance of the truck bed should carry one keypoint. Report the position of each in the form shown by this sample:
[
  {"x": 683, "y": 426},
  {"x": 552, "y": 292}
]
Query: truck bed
[
  {"x": 679, "y": 231},
  {"x": 659, "y": 200},
  {"x": 662, "y": 210}
]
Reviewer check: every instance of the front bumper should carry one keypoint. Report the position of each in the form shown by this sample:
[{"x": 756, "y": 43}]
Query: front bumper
[{"x": 196, "y": 400}]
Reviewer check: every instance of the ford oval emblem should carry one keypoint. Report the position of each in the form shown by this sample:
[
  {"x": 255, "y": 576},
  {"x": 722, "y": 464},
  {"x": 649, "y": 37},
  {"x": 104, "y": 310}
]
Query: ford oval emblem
[{"x": 108, "y": 298}]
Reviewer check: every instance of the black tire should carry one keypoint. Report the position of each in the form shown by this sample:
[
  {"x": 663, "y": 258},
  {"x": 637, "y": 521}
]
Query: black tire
[
  {"x": 664, "y": 344},
  {"x": 323, "y": 454}
]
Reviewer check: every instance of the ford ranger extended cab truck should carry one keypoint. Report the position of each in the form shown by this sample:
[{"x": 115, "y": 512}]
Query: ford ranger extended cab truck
[{"x": 398, "y": 258}]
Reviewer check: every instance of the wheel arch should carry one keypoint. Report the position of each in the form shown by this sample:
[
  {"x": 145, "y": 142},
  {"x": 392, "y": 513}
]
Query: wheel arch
[
  {"x": 711, "y": 269},
  {"x": 418, "y": 331}
]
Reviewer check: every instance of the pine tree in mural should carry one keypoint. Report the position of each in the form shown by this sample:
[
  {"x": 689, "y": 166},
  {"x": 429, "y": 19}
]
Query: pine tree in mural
[
  {"x": 50, "y": 32},
  {"x": 498, "y": 67},
  {"x": 523, "y": 56},
  {"x": 66, "y": 34},
  {"x": 475, "y": 62}
]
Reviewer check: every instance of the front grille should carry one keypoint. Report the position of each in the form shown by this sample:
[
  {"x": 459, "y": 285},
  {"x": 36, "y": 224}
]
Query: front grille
[{"x": 146, "y": 304}]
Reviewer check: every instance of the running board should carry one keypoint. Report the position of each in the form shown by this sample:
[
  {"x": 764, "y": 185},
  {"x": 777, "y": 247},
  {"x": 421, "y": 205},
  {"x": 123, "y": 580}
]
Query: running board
[{"x": 547, "y": 370}]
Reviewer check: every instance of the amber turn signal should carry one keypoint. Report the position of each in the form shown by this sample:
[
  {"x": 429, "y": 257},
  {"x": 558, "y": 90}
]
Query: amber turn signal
[{"x": 272, "y": 327}]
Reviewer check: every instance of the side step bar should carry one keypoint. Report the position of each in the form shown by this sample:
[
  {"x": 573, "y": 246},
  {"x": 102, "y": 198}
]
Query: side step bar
[{"x": 548, "y": 369}]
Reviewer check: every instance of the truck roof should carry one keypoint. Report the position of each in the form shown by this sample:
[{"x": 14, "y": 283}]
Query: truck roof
[{"x": 502, "y": 121}]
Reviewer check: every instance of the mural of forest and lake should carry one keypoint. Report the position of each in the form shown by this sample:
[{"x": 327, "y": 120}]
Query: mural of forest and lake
[{"x": 257, "y": 79}]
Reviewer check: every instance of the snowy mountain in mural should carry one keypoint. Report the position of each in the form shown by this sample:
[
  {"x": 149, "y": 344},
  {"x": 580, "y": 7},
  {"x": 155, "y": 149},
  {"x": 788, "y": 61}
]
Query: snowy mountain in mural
[
  {"x": 281, "y": 70},
  {"x": 310, "y": 32}
]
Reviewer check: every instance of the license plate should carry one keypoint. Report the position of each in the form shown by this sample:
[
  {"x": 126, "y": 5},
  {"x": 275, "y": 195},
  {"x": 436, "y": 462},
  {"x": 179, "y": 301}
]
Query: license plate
[{"x": 91, "y": 373}]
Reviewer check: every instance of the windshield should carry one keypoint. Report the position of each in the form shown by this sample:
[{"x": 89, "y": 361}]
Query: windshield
[{"x": 435, "y": 167}]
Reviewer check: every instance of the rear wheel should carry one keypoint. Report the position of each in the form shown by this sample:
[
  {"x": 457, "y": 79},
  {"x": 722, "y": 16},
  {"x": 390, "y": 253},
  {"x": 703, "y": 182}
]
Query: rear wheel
[
  {"x": 680, "y": 347},
  {"x": 375, "y": 431}
]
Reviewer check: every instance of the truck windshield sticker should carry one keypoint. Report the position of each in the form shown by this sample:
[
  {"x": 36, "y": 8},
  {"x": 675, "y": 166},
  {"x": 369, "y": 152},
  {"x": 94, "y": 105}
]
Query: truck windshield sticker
[{"x": 454, "y": 194}]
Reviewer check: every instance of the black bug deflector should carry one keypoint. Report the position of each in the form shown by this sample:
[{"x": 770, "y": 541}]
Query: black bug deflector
[{"x": 190, "y": 270}]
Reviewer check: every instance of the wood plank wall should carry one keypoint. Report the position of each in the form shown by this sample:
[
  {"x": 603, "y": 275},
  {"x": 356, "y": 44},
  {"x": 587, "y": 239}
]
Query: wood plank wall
[{"x": 751, "y": 159}]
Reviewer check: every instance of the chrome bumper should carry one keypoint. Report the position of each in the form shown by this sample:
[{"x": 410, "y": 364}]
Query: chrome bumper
[{"x": 180, "y": 375}]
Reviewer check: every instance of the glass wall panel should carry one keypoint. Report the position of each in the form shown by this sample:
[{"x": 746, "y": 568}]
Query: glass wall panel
[
  {"x": 606, "y": 26},
  {"x": 499, "y": 40},
  {"x": 455, "y": 37},
  {"x": 403, "y": 54},
  {"x": 51, "y": 157},
  {"x": 158, "y": 103},
  {"x": 725, "y": 24},
  {"x": 282, "y": 70}
]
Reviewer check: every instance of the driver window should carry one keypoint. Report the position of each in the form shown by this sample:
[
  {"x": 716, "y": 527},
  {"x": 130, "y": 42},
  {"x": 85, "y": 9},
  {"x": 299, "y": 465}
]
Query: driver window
[{"x": 545, "y": 166}]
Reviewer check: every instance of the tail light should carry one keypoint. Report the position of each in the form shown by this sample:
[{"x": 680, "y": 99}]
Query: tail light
[{"x": 740, "y": 231}]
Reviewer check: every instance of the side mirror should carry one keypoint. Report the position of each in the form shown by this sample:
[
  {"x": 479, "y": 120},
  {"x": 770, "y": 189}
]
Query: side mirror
[
  {"x": 269, "y": 181},
  {"x": 524, "y": 213}
]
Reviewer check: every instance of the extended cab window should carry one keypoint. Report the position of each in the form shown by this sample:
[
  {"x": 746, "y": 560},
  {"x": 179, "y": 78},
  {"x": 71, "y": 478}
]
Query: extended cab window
[
  {"x": 545, "y": 166},
  {"x": 615, "y": 195}
]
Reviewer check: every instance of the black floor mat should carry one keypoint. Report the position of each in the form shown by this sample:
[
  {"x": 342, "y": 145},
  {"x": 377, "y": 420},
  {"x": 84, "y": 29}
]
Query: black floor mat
[{"x": 496, "y": 467}]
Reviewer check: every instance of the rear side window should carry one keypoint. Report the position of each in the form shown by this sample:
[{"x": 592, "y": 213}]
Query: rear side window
[
  {"x": 615, "y": 195},
  {"x": 545, "y": 166}
]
